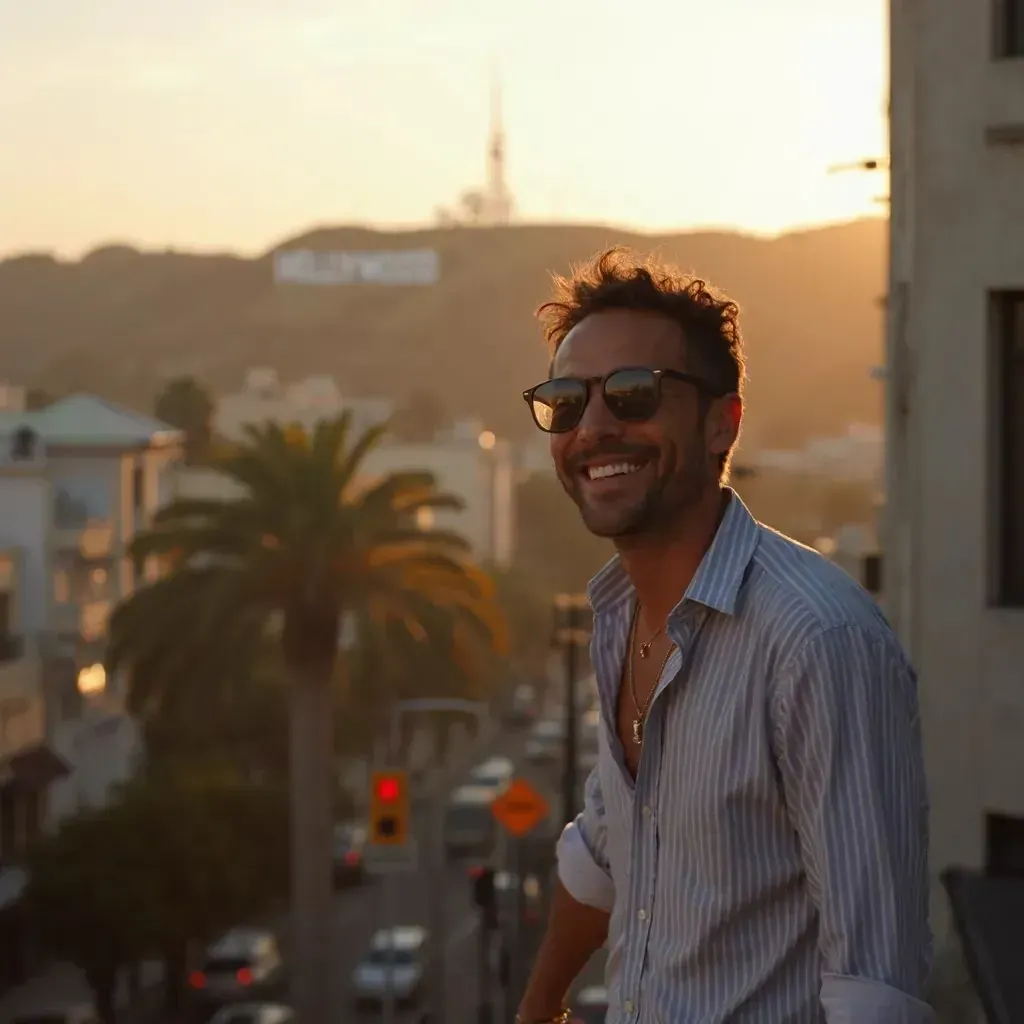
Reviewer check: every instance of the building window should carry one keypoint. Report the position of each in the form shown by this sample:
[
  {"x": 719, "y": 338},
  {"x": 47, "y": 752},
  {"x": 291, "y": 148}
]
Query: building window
[
  {"x": 1004, "y": 845},
  {"x": 1009, "y": 29},
  {"x": 872, "y": 570},
  {"x": 1008, "y": 394},
  {"x": 138, "y": 488}
]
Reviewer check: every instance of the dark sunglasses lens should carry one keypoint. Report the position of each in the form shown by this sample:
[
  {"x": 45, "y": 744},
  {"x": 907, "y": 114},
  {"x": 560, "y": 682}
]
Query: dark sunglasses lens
[
  {"x": 558, "y": 404},
  {"x": 632, "y": 395}
]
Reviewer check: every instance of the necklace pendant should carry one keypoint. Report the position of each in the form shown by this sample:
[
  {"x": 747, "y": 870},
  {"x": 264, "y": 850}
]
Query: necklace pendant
[
  {"x": 638, "y": 731},
  {"x": 645, "y": 650}
]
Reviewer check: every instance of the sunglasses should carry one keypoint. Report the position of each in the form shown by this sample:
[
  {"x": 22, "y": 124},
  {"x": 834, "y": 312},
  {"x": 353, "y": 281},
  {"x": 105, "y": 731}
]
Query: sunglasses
[{"x": 632, "y": 395}]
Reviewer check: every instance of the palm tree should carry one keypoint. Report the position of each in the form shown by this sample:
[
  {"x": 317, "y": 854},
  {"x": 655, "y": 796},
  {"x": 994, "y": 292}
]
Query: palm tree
[
  {"x": 186, "y": 403},
  {"x": 307, "y": 543}
]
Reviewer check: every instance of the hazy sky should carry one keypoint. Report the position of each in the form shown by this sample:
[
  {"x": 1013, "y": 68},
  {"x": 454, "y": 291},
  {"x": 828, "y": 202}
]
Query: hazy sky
[{"x": 233, "y": 123}]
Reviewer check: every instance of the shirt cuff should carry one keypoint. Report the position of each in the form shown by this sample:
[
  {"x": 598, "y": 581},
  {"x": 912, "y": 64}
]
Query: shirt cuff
[
  {"x": 584, "y": 879},
  {"x": 849, "y": 1000}
]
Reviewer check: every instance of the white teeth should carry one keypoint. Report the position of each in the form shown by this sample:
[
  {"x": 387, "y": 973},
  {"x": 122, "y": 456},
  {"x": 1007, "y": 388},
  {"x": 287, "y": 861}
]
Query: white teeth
[{"x": 611, "y": 469}]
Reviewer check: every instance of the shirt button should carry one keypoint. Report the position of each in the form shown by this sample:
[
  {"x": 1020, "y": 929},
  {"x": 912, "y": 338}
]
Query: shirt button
[
  {"x": 628, "y": 1006},
  {"x": 642, "y": 914},
  {"x": 647, "y": 811}
]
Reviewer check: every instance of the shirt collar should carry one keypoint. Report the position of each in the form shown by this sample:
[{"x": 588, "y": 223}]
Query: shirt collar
[{"x": 718, "y": 579}]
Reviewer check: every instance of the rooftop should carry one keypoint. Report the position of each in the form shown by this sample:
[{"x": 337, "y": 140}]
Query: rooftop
[{"x": 88, "y": 421}]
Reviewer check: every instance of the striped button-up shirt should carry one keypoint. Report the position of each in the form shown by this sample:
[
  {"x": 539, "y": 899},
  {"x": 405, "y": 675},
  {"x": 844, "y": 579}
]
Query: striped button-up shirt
[{"x": 769, "y": 864}]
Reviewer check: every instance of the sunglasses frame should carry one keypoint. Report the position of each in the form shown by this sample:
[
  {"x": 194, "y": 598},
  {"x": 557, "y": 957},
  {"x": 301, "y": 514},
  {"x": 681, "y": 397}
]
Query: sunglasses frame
[{"x": 657, "y": 374}]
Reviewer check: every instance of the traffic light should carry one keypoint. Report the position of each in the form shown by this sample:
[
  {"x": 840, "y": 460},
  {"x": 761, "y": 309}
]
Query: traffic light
[
  {"x": 485, "y": 895},
  {"x": 389, "y": 809}
]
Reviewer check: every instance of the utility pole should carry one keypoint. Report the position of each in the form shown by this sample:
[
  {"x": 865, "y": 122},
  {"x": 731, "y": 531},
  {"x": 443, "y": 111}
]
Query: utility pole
[
  {"x": 570, "y": 635},
  {"x": 438, "y": 786},
  {"x": 485, "y": 898}
]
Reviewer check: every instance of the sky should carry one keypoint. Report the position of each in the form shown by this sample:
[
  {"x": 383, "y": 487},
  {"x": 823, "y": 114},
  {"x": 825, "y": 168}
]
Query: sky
[{"x": 232, "y": 124}]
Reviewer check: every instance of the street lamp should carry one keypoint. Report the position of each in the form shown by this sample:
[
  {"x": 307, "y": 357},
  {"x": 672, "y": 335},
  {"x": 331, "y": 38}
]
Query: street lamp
[
  {"x": 570, "y": 634},
  {"x": 92, "y": 679},
  {"x": 875, "y": 163}
]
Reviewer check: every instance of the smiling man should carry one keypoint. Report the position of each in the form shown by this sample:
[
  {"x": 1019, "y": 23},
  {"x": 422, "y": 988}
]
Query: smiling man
[{"x": 753, "y": 843}]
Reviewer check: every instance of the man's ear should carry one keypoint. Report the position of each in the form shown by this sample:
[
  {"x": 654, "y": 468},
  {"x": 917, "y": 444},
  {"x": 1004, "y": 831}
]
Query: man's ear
[{"x": 724, "y": 420}]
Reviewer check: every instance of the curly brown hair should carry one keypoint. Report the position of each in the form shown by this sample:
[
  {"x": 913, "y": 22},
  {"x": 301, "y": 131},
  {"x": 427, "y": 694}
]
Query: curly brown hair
[{"x": 620, "y": 279}]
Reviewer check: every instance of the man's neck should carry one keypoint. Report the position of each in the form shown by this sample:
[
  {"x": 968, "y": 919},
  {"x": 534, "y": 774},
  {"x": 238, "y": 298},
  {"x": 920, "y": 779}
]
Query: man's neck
[{"x": 661, "y": 567}]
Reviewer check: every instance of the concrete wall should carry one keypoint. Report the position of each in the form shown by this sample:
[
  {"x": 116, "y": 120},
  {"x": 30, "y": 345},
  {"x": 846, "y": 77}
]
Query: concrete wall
[{"x": 957, "y": 233}]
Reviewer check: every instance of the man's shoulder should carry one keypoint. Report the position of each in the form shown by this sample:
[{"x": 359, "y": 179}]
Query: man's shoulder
[{"x": 796, "y": 593}]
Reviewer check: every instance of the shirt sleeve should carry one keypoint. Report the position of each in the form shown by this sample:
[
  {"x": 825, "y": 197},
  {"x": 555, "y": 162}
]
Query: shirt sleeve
[
  {"x": 582, "y": 859},
  {"x": 847, "y": 733}
]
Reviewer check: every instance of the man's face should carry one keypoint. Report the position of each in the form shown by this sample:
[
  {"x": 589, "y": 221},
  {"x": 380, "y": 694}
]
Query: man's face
[{"x": 634, "y": 479}]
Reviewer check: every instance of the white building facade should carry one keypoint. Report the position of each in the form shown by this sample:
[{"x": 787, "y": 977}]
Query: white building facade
[
  {"x": 467, "y": 461},
  {"x": 954, "y": 522},
  {"x": 86, "y": 477},
  {"x": 263, "y": 398}
]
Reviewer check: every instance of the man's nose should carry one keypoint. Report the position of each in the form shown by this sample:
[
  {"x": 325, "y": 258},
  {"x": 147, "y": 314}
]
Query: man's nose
[
  {"x": 597, "y": 418},
  {"x": 597, "y": 422}
]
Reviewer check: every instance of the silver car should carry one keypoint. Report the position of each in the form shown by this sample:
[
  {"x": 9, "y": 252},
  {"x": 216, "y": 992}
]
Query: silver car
[
  {"x": 393, "y": 967},
  {"x": 546, "y": 741},
  {"x": 245, "y": 965},
  {"x": 254, "y": 1013}
]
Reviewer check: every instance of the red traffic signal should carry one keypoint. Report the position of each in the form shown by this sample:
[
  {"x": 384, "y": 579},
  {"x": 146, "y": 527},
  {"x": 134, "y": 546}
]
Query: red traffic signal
[
  {"x": 388, "y": 789},
  {"x": 389, "y": 809}
]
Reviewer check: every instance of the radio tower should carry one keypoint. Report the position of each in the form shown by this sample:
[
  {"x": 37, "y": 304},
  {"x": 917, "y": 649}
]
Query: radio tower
[{"x": 498, "y": 203}]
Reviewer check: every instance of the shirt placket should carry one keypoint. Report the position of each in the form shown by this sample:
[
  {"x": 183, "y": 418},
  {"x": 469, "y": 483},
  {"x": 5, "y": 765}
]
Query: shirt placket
[{"x": 643, "y": 875}]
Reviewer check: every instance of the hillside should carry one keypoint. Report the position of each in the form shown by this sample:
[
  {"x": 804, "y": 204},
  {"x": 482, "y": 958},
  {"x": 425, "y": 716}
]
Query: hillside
[{"x": 119, "y": 320}]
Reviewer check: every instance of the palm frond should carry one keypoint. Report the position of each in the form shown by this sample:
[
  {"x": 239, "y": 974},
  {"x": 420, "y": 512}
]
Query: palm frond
[{"x": 300, "y": 542}]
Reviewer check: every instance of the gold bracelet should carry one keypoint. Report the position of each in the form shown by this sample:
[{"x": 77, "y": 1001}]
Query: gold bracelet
[{"x": 562, "y": 1018}]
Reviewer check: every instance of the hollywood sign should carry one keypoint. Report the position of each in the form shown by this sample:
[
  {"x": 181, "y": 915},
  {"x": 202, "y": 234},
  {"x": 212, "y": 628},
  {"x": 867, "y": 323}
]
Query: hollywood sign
[{"x": 309, "y": 267}]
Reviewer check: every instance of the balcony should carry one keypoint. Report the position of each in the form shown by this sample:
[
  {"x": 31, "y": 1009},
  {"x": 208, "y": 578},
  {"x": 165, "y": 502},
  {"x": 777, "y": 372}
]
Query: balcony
[
  {"x": 90, "y": 538},
  {"x": 77, "y": 527},
  {"x": 85, "y": 619},
  {"x": 22, "y": 708}
]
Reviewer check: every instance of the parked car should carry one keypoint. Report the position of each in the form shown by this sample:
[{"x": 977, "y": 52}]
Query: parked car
[
  {"x": 469, "y": 825},
  {"x": 510, "y": 902},
  {"x": 496, "y": 772},
  {"x": 545, "y": 741},
  {"x": 349, "y": 847},
  {"x": 394, "y": 966},
  {"x": 522, "y": 709},
  {"x": 254, "y": 1013},
  {"x": 242, "y": 966}
]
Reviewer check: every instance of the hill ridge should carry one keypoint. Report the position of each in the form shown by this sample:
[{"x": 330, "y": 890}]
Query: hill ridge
[{"x": 118, "y": 320}]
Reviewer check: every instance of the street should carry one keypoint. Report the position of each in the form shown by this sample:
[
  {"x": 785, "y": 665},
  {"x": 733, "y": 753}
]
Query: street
[{"x": 360, "y": 910}]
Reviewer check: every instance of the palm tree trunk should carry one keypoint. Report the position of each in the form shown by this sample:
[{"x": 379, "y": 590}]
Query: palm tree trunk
[{"x": 311, "y": 758}]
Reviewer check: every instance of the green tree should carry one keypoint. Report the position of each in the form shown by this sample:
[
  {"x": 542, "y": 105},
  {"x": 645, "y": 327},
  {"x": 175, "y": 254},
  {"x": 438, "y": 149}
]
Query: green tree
[
  {"x": 217, "y": 856},
  {"x": 527, "y": 600},
  {"x": 90, "y": 902},
  {"x": 308, "y": 542},
  {"x": 165, "y": 864},
  {"x": 554, "y": 546},
  {"x": 185, "y": 403}
]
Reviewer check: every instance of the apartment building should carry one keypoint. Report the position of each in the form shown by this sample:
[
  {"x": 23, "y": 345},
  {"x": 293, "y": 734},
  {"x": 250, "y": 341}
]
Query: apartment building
[
  {"x": 466, "y": 461},
  {"x": 954, "y": 526},
  {"x": 28, "y": 764},
  {"x": 78, "y": 479},
  {"x": 263, "y": 397}
]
